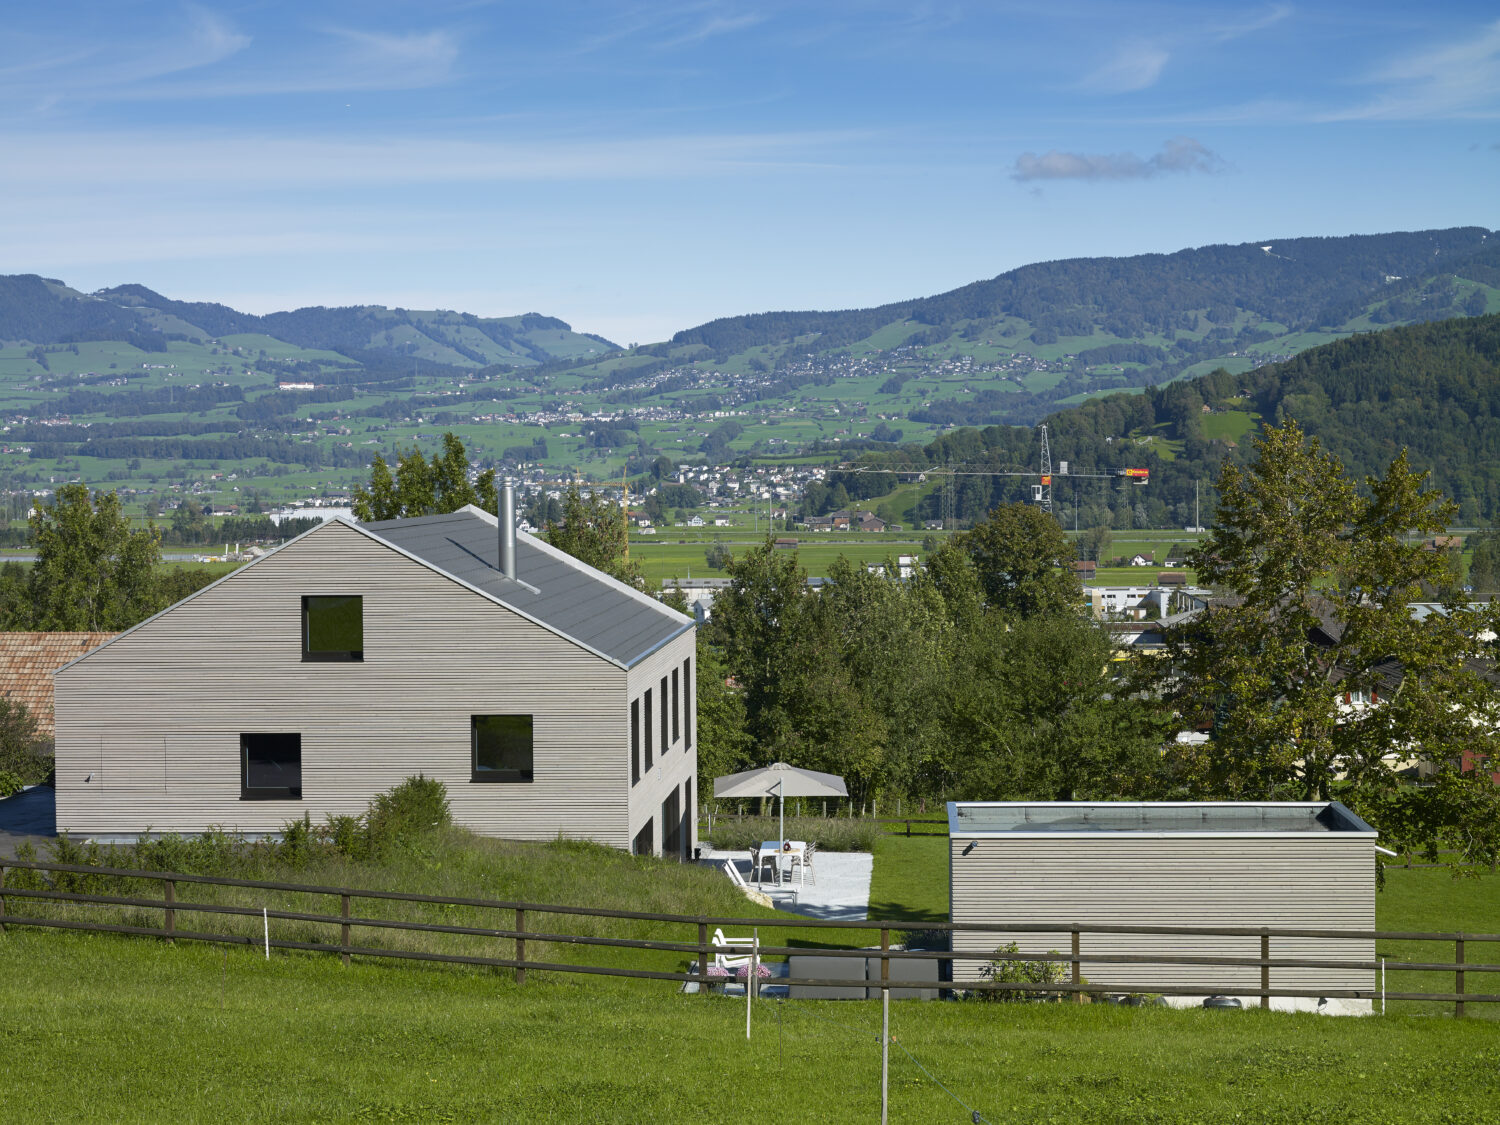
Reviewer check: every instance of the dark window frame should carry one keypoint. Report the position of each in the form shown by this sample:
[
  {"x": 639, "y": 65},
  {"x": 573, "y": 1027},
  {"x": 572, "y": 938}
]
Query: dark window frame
[
  {"x": 499, "y": 775},
  {"x": 635, "y": 741},
  {"x": 676, "y": 708},
  {"x": 666, "y": 719},
  {"x": 688, "y": 701},
  {"x": 250, "y": 792},
  {"x": 646, "y": 728},
  {"x": 319, "y": 656}
]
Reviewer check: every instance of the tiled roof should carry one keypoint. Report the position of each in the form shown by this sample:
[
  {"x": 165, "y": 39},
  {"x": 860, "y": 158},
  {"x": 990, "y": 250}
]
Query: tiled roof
[{"x": 27, "y": 661}]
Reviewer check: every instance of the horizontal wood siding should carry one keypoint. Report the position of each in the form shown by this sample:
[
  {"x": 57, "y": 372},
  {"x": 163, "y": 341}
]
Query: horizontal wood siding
[
  {"x": 156, "y": 716},
  {"x": 1320, "y": 881},
  {"x": 674, "y": 767}
]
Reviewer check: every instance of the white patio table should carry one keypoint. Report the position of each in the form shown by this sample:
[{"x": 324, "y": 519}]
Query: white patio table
[{"x": 790, "y": 852}]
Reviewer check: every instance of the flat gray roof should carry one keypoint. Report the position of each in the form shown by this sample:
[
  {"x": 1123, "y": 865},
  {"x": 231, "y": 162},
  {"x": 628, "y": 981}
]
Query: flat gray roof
[
  {"x": 1150, "y": 818},
  {"x": 551, "y": 587}
]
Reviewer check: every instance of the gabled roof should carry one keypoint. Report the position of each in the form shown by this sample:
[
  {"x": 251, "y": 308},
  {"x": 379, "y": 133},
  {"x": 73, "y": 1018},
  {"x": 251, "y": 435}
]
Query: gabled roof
[
  {"x": 27, "y": 661},
  {"x": 551, "y": 587}
]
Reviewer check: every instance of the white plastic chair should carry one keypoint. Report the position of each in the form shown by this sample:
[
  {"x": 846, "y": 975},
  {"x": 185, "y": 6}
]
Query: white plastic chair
[
  {"x": 803, "y": 865},
  {"x": 727, "y": 961}
]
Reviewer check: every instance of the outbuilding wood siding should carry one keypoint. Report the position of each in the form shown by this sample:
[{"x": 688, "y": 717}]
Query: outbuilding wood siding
[
  {"x": 1317, "y": 881},
  {"x": 156, "y": 716}
]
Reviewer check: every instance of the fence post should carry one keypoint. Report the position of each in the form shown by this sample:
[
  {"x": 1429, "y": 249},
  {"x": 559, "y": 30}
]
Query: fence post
[
  {"x": 169, "y": 913},
  {"x": 703, "y": 958},
  {"x": 885, "y": 962},
  {"x": 1265, "y": 968},
  {"x": 1077, "y": 967},
  {"x": 908, "y": 830},
  {"x": 1458, "y": 978},
  {"x": 344, "y": 928},
  {"x": 520, "y": 946}
]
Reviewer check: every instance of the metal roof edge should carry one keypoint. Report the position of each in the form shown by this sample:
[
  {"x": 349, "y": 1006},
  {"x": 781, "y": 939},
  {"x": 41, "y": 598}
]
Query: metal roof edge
[
  {"x": 182, "y": 601},
  {"x": 1115, "y": 833},
  {"x": 638, "y": 657},
  {"x": 1359, "y": 826}
]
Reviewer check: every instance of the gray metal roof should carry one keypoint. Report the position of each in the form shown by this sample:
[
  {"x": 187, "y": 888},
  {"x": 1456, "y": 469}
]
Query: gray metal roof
[
  {"x": 551, "y": 587},
  {"x": 1197, "y": 818}
]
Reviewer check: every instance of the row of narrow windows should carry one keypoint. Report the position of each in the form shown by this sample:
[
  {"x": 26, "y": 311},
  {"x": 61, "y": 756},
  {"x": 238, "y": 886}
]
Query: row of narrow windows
[{"x": 658, "y": 724}]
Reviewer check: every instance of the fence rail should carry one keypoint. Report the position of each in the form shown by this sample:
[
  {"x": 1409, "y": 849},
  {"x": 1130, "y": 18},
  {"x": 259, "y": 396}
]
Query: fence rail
[{"x": 700, "y": 950}]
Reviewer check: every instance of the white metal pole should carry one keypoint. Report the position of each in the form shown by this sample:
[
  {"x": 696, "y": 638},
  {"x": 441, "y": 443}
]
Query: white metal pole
[
  {"x": 750, "y": 978},
  {"x": 265, "y": 920},
  {"x": 1382, "y": 986},
  {"x": 885, "y": 1052}
]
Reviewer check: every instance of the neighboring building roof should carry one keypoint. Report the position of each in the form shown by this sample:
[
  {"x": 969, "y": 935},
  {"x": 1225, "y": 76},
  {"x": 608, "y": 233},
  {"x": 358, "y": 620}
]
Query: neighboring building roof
[
  {"x": 551, "y": 587},
  {"x": 27, "y": 661},
  {"x": 1150, "y": 818}
]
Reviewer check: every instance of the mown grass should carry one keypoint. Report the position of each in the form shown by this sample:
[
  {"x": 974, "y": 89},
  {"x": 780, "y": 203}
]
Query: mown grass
[{"x": 99, "y": 1028}]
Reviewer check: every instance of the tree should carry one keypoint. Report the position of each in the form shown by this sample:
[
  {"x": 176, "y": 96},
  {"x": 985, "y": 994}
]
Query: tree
[
  {"x": 1038, "y": 718},
  {"x": 92, "y": 572},
  {"x": 1484, "y": 563},
  {"x": 723, "y": 743},
  {"x": 1093, "y": 543},
  {"x": 1319, "y": 577},
  {"x": 594, "y": 531},
  {"x": 424, "y": 488},
  {"x": 1021, "y": 558},
  {"x": 22, "y": 755}
]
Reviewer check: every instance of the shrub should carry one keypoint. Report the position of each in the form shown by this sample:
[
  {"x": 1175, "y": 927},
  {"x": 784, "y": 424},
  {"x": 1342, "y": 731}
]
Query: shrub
[
  {"x": 10, "y": 783},
  {"x": 21, "y": 752},
  {"x": 416, "y": 806},
  {"x": 1004, "y": 968},
  {"x": 831, "y": 834}
]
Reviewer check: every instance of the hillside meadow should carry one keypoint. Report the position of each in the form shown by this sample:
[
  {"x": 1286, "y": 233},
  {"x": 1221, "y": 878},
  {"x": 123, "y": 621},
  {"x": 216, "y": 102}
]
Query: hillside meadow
[{"x": 99, "y": 1027}]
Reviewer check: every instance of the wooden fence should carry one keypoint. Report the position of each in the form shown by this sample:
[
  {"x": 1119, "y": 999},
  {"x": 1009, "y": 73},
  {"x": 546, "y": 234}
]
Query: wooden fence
[{"x": 699, "y": 951}]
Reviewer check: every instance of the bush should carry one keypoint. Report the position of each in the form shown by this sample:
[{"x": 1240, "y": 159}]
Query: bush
[
  {"x": 831, "y": 834},
  {"x": 10, "y": 783},
  {"x": 21, "y": 752},
  {"x": 1005, "y": 969},
  {"x": 416, "y": 806}
]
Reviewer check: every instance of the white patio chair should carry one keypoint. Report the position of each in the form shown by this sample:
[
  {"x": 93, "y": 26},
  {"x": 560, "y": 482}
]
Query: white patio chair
[
  {"x": 758, "y": 861},
  {"x": 727, "y": 961},
  {"x": 803, "y": 864}
]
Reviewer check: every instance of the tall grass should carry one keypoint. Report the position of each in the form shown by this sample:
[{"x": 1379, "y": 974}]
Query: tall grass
[{"x": 831, "y": 834}]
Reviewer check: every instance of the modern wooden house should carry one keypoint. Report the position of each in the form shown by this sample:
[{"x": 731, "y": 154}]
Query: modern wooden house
[
  {"x": 549, "y": 698},
  {"x": 1206, "y": 864}
]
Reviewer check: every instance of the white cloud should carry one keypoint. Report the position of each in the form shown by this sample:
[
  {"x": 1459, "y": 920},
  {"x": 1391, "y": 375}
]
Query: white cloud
[
  {"x": 1138, "y": 61},
  {"x": 1135, "y": 66},
  {"x": 1458, "y": 79},
  {"x": 1180, "y": 154}
]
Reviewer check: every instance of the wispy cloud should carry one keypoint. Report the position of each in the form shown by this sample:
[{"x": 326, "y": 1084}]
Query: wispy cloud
[
  {"x": 207, "y": 56},
  {"x": 1138, "y": 62},
  {"x": 1456, "y": 79},
  {"x": 1179, "y": 155}
]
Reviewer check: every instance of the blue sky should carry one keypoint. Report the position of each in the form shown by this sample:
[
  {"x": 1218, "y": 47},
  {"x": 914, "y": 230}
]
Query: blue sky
[{"x": 640, "y": 168}]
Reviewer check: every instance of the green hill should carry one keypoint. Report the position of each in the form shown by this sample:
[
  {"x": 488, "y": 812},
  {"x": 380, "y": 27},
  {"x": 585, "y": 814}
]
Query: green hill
[{"x": 1433, "y": 389}]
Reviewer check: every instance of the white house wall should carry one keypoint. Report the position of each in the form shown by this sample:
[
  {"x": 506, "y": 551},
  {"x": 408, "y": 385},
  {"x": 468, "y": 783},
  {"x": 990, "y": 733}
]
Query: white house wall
[
  {"x": 1318, "y": 881},
  {"x": 148, "y": 727},
  {"x": 677, "y": 766}
]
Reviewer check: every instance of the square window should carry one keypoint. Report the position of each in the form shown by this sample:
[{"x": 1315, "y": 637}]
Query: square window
[
  {"x": 502, "y": 747},
  {"x": 270, "y": 767},
  {"x": 333, "y": 627}
]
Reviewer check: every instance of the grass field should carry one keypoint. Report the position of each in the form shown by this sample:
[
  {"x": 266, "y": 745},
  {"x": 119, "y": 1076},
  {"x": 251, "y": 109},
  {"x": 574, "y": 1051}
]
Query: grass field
[{"x": 120, "y": 1029}]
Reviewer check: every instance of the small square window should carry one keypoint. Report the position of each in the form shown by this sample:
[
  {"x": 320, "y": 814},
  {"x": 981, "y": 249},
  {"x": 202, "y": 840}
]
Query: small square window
[
  {"x": 333, "y": 627},
  {"x": 502, "y": 747},
  {"x": 270, "y": 767}
]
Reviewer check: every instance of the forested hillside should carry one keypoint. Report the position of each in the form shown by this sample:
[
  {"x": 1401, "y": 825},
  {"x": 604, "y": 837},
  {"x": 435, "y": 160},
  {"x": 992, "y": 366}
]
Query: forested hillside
[
  {"x": 1433, "y": 389},
  {"x": 44, "y": 311}
]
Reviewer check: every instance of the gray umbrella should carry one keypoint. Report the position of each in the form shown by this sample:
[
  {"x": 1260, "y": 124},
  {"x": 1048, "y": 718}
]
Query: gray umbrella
[{"x": 780, "y": 780}]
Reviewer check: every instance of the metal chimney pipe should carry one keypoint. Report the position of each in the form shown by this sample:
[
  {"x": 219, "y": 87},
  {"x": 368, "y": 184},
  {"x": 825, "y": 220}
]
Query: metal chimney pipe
[{"x": 508, "y": 529}]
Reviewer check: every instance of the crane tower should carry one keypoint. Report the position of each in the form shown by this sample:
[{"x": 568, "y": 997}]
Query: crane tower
[{"x": 1042, "y": 493}]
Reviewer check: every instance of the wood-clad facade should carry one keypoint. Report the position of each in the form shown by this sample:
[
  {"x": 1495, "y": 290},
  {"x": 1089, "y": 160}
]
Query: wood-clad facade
[
  {"x": 1322, "y": 880},
  {"x": 150, "y": 726}
]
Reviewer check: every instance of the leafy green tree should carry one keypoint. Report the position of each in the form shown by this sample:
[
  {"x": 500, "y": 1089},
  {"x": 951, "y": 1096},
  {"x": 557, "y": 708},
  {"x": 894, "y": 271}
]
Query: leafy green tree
[
  {"x": 1093, "y": 543},
  {"x": 92, "y": 571},
  {"x": 1021, "y": 557},
  {"x": 1484, "y": 563},
  {"x": 1037, "y": 716},
  {"x": 423, "y": 488},
  {"x": 1320, "y": 576},
  {"x": 594, "y": 531},
  {"x": 724, "y": 745},
  {"x": 22, "y": 754}
]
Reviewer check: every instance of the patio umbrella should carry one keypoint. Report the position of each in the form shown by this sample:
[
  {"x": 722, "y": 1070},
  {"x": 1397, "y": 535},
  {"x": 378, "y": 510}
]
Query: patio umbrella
[{"x": 780, "y": 780}]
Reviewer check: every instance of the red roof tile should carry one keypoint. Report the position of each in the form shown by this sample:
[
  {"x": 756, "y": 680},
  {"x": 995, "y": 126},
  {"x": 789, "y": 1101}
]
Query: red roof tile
[{"x": 27, "y": 661}]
